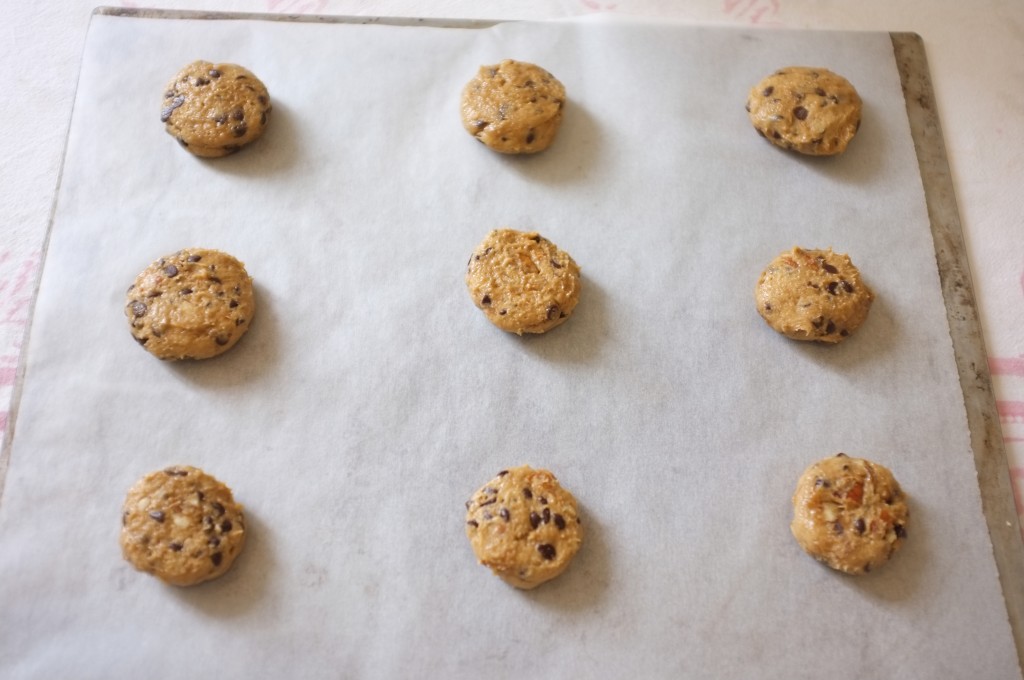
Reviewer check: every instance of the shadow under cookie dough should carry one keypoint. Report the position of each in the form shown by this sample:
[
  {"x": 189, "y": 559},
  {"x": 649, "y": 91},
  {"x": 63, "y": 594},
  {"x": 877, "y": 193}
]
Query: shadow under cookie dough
[
  {"x": 861, "y": 162},
  {"x": 907, "y": 571},
  {"x": 579, "y": 339},
  {"x": 253, "y": 359},
  {"x": 877, "y": 337},
  {"x": 277, "y": 150},
  {"x": 571, "y": 158},
  {"x": 244, "y": 587},
  {"x": 584, "y": 584}
]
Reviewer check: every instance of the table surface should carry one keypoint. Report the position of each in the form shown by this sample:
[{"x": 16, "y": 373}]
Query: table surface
[{"x": 974, "y": 52}]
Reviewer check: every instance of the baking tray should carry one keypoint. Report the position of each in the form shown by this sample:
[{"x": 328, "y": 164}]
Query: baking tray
[{"x": 954, "y": 275}]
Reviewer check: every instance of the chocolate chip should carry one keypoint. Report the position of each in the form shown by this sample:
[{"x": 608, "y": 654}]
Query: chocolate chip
[
  {"x": 139, "y": 308},
  {"x": 221, "y": 119},
  {"x": 838, "y": 528},
  {"x": 171, "y": 271},
  {"x": 488, "y": 515},
  {"x": 767, "y": 92},
  {"x": 543, "y": 501},
  {"x": 157, "y": 515},
  {"x": 822, "y": 482},
  {"x": 233, "y": 304},
  {"x": 239, "y": 130},
  {"x": 830, "y": 328},
  {"x": 165, "y": 113},
  {"x": 490, "y": 490},
  {"x": 221, "y": 340},
  {"x": 530, "y": 137},
  {"x": 238, "y": 114},
  {"x": 502, "y": 473},
  {"x": 559, "y": 522},
  {"x": 534, "y": 520},
  {"x": 214, "y": 279},
  {"x": 175, "y": 546},
  {"x": 833, "y": 288},
  {"x": 800, "y": 113},
  {"x": 820, "y": 92},
  {"x": 485, "y": 300},
  {"x": 504, "y": 514},
  {"x": 214, "y": 73},
  {"x": 473, "y": 523},
  {"x": 859, "y": 526},
  {"x": 900, "y": 531},
  {"x": 226, "y": 526},
  {"x": 555, "y": 264},
  {"x": 186, "y": 291},
  {"x": 841, "y": 455},
  {"x": 844, "y": 332},
  {"x": 200, "y": 495},
  {"x": 218, "y": 508},
  {"x": 552, "y": 312},
  {"x": 488, "y": 502},
  {"x": 767, "y": 307},
  {"x": 776, "y": 135},
  {"x": 847, "y": 286},
  {"x": 202, "y": 81},
  {"x": 503, "y": 312},
  {"x": 194, "y": 258},
  {"x": 829, "y": 268},
  {"x": 216, "y": 558},
  {"x": 546, "y": 550},
  {"x": 262, "y": 99},
  {"x": 546, "y": 516},
  {"x": 527, "y": 494},
  {"x": 175, "y": 472}
]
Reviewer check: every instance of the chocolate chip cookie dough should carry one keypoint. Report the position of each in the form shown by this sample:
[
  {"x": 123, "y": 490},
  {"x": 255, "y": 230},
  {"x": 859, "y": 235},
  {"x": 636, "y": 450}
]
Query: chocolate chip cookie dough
[
  {"x": 849, "y": 513},
  {"x": 809, "y": 110},
  {"x": 215, "y": 109},
  {"x": 522, "y": 281},
  {"x": 524, "y": 526},
  {"x": 193, "y": 304},
  {"x": 181, "y": 525},
  {"x": 513, "y": 107},
  {"x": 813, "y": 295}
]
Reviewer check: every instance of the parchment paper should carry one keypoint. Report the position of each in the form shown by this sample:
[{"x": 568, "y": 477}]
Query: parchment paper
[{"x": 370, "y": 397}]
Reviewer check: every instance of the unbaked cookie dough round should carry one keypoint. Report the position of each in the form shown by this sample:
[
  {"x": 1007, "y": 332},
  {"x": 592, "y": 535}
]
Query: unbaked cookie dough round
[
  {"x": 849, "y": 513},
  {"x": 522, "y": 281},
  {"x": 809, "y": 110},
  {"x": 193, "y": 304},
  {"x": 181, "y": 525},
  {"x": 813, "y": 295},
  {"x": 215, "y": 109},
  {"x": 524, "y": 526},
  {"x": 513, "y": 107}
]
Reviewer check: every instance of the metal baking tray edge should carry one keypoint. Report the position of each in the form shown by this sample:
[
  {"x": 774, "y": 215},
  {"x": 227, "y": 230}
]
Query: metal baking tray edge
[{"x": 964, "y": 326}]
